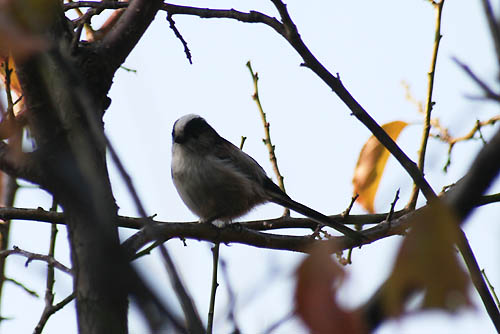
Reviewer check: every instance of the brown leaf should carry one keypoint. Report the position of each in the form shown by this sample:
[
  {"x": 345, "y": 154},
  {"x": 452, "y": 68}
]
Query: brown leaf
[
  {"x": 427, "y": 261},
  {"x": 318, "y": 278},
  {"x": 370, "y": 166}
]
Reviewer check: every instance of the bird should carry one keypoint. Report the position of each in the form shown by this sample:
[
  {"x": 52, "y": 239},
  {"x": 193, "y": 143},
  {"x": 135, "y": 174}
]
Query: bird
[{"x": 218, "y": 181}]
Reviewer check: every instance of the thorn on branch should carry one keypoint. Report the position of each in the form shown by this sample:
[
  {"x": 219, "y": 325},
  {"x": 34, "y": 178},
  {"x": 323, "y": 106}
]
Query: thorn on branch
[
  {"x": 393, "y": 204},
  {"x": 349, "y": 208}
]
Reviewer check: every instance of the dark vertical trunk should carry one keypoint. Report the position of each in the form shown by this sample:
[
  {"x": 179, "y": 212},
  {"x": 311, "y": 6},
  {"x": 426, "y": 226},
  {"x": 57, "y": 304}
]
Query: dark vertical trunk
[{"x": 65, "y": 123}]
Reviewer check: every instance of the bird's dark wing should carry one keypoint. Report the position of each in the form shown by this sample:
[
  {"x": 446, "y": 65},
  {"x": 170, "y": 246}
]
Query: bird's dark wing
[
  {"x": 231, "y": 155},
  {"x": 241, "y": 162}
]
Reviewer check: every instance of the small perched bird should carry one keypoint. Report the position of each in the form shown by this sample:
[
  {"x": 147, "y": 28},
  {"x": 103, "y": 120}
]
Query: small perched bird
[{"x": 217, "y": 180}]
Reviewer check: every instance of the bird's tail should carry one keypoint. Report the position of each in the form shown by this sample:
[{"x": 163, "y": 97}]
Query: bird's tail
[{"x": 316, "y": 216}]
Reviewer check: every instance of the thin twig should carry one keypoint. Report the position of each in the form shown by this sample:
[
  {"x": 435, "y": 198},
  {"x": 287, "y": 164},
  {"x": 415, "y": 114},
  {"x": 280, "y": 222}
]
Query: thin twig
[
  {"x": 242, "y": 142},
  {"x": 34, "y": 256},
  {"x": 179, "y": 36},
  {"x": 347, "y": 211},
  {"x": 494, "y": 27},
  {"x": 193, "y": 320},
  {"x": 481, "y": 137},
  {"x": 215, "y": 285},
  {"x": 267, "y": 140},
  {"x": 393, "y": 204},
  {"x": 231, "y": 296},
  {"x": 444, "y": 135},
  {"x": 486, "y": 89},
  {"x": 146, "y": 251},
  {"x": 50, "y": 310},
  {"x": 478, "y": 279},
  {"x": 429, "y": 103},
  {"x": 63, "y": 303},
  {"x": 22, "y": 286},
  {"x": 49, "y": 289},
  {"x": 280, "y": 322},
  {"x": 491, "y": 287},
  {"x": 8, "y": 92},
  {"x": 359, "y": 227}
]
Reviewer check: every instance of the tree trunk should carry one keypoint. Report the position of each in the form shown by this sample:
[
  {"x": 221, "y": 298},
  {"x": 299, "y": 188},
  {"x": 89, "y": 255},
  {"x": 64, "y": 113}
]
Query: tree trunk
[{"x": 70, "y": 163}]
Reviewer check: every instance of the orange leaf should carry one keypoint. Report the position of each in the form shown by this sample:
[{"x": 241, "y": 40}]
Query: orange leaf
[
  {"x": 370, "y": 166},
  {"x": 318, "y": 278},
  {"x": 427, "y": 262}
]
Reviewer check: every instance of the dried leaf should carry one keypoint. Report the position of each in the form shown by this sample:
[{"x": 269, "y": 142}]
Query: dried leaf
[
  {"x": 370, "y": 166},
  {"x": 318, "y": 278},
  {"x": 427, "y": 262}
]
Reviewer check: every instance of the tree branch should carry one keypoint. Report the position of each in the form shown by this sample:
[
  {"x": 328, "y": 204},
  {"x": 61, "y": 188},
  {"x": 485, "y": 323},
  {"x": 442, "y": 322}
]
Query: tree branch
[
  {"x": 40, "y": 257},
  {"x": 119, "y": 42},
  {"x": 478, "y": 279},
  {"x": 236, "y": 233},
  {"x": 429, "y": 104},
  {"x": 493, "y": 25}
]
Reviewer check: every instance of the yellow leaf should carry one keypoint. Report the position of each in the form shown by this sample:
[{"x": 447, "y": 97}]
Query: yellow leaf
[
  {"x": 370, "y": 166},
  {"x": 427, "y": 262}
]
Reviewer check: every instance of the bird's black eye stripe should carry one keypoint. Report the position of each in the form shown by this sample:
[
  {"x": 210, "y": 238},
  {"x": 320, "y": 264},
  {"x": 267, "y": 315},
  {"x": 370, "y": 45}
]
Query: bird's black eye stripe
[{"x": 195, "y": 127}]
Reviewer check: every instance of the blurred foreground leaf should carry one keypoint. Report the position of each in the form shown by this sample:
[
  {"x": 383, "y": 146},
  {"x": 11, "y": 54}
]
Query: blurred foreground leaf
[
  {"x": 427, "y": 262},
  {"x": 318, "y": 278}
]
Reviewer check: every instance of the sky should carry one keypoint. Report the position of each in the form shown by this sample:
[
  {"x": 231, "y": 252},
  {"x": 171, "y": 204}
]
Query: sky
[{"x": 375, "y": 47}]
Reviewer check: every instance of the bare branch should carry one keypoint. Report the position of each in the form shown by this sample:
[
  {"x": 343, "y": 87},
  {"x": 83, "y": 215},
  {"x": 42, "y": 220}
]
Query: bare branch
[
  {"x": 486, "y": 89},
  {"x": 259, "y": 225},
  {"x": 118, "y": 43},
  {"x": 429, "y": 104},
  {"x": 267, "y": 133},
  {"x": 39, "y": 257},
  {"x": 48, "y": 311},
  {"x": 49, "y": 289},
  {"x": 215, "y": 285},
  {"x": 179, "y": 36},
  {"x": 494, "y": 26},
  {"x": 236, "y": 233},
  {"x": 478, "y": 279},
  {"x": 491, "y": 287},
  {"x": 193, "y": 320},
  {"x": 22, "y": 286}
]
